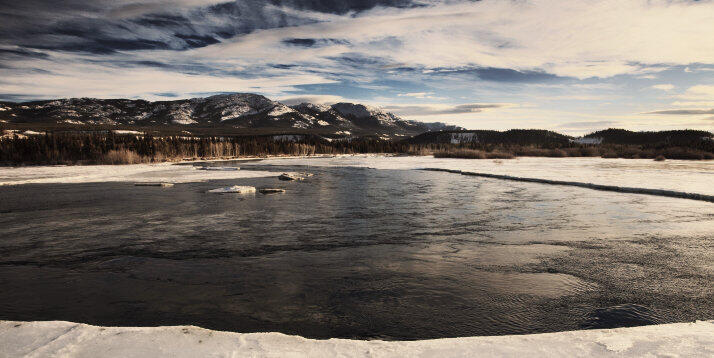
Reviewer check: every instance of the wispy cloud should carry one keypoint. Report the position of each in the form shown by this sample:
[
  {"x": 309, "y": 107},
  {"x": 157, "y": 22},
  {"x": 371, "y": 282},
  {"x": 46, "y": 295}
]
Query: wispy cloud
[
  {"x": 683, "y": 111},
  {"x": 438, "y": 109}
]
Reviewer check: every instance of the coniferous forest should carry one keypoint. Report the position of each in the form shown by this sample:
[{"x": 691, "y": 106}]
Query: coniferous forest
[{"x": 112, "y": 148}]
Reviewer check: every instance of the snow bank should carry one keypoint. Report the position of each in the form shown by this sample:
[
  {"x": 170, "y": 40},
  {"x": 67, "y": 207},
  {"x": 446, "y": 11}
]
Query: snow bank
[
  {"x": 621, "y": 189},
  {"x": 66, "y": 339},
  {"x": 135, "y": 173},
  {"x": 120, "y": 131}
]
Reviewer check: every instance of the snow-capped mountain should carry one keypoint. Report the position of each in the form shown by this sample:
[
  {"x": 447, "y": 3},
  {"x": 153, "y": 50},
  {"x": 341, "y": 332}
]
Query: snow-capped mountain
[{"x": 240, "y": 110}]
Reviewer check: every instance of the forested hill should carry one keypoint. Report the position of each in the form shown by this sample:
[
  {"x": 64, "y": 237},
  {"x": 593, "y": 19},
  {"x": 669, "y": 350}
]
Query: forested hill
[
  {"x": 539, "y": 137},
  {"x": 513, "y": 136},
  {"x": 673, "y": 137}
]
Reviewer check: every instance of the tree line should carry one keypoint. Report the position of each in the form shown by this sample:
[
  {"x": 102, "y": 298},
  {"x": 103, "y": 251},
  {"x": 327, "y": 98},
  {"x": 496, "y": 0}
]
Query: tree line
[{"x": 111, "y": 148}]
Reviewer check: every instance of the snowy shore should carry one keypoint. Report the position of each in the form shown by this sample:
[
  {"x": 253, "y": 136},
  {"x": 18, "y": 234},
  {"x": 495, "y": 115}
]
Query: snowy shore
[
  {"x": 66, "y": 339},
  {"x": 137, "y": 173}
]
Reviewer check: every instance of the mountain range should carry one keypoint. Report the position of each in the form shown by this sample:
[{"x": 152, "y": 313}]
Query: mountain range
[{"x": 236, "y": 111}]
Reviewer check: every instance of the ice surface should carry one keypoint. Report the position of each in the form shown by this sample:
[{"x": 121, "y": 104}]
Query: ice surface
[
  {"x": 66, "y": 339},
  {"x": 675, "y": 175},
  {"x": 135, "y": 173}
]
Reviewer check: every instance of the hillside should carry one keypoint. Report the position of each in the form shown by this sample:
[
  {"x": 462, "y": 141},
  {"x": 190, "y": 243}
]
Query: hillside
[
  {"x": 510, "y": 137},
  {"x": 673, "y": 137}
]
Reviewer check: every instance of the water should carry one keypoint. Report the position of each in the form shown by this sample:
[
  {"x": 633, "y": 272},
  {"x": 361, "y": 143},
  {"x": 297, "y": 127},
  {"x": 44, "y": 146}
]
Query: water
[{"x": 355, "y": 253}]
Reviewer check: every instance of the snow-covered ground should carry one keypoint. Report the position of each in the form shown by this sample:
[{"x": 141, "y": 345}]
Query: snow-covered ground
[
  {"x": 66, "y": 339},
  {"x": 675, "y": 175},
  {"x": 137, "y": 173}
]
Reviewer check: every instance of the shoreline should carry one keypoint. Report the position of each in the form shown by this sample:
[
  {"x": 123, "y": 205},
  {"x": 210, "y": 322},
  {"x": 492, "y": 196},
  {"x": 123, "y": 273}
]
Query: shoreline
[{"x": 67, "y": 339}]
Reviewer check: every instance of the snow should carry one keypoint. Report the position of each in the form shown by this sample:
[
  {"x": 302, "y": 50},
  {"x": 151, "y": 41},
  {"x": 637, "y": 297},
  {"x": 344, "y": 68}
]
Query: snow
[
  {"x": 458, "y": 138},
  {"x": 120, "y": 131},
  {"x": 183, "y": 121},
  {"x": 288, "y": 137},
  {"x": 311, "y": 106},
  {"x": 66, "y": 339},
  {"x": 583, "y": 140},
  {"x": 674, "y": 175},
  {"x": 29, "y": 132},
  {"x": 182, "y": 113},
  {"x": 279, "y": 110},
  {"x": 134, "y": 173},
  {"x": 234, "y": 189}
]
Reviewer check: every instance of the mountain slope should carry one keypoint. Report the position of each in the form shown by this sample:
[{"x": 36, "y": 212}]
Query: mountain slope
[{"x": 240, "y": 110}]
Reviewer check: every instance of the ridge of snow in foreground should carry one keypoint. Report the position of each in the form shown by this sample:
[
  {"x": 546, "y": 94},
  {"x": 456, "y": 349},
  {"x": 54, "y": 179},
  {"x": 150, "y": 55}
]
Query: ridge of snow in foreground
[{"x": 66, "y": 339}]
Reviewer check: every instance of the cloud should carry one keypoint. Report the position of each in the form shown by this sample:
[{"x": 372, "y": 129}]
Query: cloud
[
  {"x": 664, "y": 87},
  {"x": 588, "y": 124},
  {"x": 698, "y": 93},
  {"x": 316, "y": 99},
  {"x": 419, "y": 95},
  {"x": 438, "y": 109},
  {"x": 683, "y": 111},
  {"x": 91, "y": 80}
]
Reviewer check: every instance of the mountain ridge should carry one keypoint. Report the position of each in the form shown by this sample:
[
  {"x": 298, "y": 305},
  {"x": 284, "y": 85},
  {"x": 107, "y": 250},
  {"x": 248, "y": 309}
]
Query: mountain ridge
[{"x": 236, "y": 110}]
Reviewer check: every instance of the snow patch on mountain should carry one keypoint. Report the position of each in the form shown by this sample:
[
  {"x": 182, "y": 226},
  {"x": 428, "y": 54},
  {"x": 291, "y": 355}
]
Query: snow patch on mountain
[{"x": 279, "y": 110}]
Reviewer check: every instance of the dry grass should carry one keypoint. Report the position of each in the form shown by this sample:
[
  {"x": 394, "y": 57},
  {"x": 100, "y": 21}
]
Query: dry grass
[
  {"x": 472, "y": 154},
  {"x": 123, "y": 156}
]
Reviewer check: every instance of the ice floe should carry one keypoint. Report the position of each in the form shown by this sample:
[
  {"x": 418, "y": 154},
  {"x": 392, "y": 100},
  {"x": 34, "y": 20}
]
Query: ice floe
[{"x": 237, "y": 189}]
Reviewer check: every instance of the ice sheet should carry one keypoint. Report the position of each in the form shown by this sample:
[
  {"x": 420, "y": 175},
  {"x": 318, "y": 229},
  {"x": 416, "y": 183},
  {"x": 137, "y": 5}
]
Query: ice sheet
[{"x": 675, "y": 175}]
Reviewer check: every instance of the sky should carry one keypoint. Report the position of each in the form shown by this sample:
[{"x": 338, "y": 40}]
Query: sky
[{"x": 571, "y": 66}]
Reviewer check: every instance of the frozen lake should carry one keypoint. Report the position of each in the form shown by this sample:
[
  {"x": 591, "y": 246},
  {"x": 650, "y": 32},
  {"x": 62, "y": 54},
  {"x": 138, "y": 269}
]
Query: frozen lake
[{"x": 366, "y": 248}]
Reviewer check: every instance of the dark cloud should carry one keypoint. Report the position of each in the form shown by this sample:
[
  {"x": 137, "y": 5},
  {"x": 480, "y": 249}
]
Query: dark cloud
[
  {"x": 498, "y": 74},
  {"x": 166, "y": 94},
  {"x": 29, "y": 20},
  {"x": 104, "y": 26},
  {"x": 20, "y": 53},
  {"x": 20, "y": 97},
  {"x": 300, "y": 42},
  {"x": 343, "y": 6},
  {"x": 684, "y": 111},
  {"x": 313, "y": 42}
]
